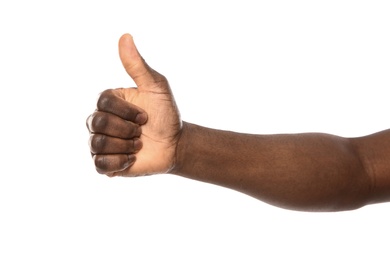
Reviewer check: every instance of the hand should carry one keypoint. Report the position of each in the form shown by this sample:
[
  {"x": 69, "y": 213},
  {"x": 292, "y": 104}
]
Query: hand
[{"x": 134, "y": 131}]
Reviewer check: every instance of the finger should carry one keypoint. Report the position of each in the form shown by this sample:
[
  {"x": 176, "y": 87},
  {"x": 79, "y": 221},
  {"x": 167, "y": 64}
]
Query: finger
[
  {"x": 103, "y": 144},
  {"x": 112, "y": 125},
  {"x": 144, "y": 76},
  {"x": 111, "y": 163},
  {"x": 112, "y": 101}
]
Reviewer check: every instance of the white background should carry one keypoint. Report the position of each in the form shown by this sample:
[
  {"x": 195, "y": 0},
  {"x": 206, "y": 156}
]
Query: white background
[{"x": 248, "y": 66}]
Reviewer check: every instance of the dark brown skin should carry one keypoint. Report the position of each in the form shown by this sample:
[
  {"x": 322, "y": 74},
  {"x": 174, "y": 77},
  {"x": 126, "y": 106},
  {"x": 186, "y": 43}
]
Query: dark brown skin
[{"x": 138, "y": 131}]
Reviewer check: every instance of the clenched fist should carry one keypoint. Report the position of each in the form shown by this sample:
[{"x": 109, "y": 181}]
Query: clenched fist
[{"x": 135, "y": 131}]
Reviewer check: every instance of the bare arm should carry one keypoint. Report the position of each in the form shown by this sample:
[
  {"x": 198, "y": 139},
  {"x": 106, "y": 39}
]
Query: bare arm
[
  {"x": 310, "y": 172},
  {"x": 138, "y": 131}
]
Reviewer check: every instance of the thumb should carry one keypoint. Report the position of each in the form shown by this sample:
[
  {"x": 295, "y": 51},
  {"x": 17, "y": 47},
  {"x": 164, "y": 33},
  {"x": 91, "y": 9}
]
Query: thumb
[{"x": 144, "y": 76}]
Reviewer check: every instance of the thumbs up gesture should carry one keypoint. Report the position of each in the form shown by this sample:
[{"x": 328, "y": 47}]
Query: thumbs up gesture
[{"x": 134, "y": 131}]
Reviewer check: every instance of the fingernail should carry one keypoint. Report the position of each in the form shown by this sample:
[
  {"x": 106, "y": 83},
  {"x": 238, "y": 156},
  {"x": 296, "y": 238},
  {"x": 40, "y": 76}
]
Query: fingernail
[{"x": 141, "y": 118}]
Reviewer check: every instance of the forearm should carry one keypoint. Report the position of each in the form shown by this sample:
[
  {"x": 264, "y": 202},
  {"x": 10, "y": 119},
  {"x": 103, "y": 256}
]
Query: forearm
[{"x": 312, "y": 172}]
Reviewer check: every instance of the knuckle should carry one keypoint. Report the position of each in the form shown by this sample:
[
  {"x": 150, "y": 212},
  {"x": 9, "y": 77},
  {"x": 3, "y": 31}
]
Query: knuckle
[
  {"x": 101, "y": 164},
  {"x": 97, "y": 143},
  {"x": 99, "y": 121},
  {"x": 105, "y": 99}
]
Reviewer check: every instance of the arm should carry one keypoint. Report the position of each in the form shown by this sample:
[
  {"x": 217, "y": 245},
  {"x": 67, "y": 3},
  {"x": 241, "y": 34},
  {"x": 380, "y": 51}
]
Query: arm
[
  {"x": 138, "y": 131},
  {"x": 311, "y": 172}
]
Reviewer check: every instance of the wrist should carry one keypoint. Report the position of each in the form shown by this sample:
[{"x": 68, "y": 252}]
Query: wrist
[{"x": 180, "y": 150}]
